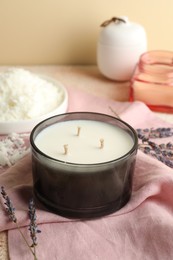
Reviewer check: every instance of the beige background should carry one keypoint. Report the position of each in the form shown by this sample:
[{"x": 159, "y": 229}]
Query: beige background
[{"x": 66, "y": 32}]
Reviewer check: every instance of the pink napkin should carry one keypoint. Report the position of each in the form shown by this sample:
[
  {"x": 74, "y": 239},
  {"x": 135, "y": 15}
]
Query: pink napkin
[{"x": 140, "y": 230}]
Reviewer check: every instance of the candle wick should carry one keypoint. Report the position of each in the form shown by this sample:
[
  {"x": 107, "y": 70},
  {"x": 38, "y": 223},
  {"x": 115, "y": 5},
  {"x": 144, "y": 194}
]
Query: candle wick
[
  {"x": 65, "y": 149},
  {"x": 101, "y": 143},
  {"x": 78, "y": 130}
]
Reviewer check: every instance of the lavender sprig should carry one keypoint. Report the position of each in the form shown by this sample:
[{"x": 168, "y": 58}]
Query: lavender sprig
[
  {"x": 160, "y": 132},
  {"x": 162, "y": 152},
  {"x": 32, "y": 215},
  {"x": 33, "y": 228},
  {"x": 9, "y": 205}
]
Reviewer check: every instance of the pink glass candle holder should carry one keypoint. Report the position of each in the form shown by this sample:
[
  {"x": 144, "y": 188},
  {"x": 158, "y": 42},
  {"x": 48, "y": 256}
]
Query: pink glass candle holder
[{"x": 152, "y": 82}]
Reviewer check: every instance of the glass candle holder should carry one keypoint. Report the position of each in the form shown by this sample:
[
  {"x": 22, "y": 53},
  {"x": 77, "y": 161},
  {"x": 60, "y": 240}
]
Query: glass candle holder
[
  {"x": 152, "y": 82},
  {"x": 86, "y": 185}
]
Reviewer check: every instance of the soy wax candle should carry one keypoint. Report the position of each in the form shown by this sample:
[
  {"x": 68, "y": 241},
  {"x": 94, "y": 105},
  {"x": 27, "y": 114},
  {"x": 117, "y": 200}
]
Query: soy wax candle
[{"x": 83, "y": 163}]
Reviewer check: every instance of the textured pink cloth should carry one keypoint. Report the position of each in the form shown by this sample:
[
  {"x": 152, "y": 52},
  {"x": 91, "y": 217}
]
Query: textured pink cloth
[{"x": 141, "y": 230}]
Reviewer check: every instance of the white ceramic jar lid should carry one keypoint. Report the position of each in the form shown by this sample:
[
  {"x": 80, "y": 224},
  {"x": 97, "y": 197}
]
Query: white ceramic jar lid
[{"x": 120, "y": 31}]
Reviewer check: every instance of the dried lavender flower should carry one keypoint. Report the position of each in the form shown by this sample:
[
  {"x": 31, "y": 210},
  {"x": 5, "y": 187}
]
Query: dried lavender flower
[
  {"x": 160, "y": 132},
  {"x": 33, "y": 228},
  {"x": 32, "y": 216},
  {"x": 9, "y": 205},
  {"x": 162, "y": 152}
]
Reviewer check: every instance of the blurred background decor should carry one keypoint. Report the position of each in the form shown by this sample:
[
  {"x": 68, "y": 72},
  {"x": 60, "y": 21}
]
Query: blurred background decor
[{"x": 66, "y": 32}]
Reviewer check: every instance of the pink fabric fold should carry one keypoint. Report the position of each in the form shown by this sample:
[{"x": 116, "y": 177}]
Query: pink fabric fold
[{"x": 142, "y": 229}]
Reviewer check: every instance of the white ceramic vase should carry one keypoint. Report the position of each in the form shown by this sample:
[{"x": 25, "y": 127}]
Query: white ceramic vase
[{"x": 120, "y": 45}]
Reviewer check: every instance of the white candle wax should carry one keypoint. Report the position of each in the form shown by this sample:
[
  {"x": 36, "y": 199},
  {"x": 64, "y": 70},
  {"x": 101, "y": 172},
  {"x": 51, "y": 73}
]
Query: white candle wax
[{"x": 84, "y": 148}]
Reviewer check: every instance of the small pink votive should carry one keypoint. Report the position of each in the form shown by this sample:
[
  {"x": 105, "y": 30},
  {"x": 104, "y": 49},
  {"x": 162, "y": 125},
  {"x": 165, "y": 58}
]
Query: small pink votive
[{"x": 152, "y": 81}]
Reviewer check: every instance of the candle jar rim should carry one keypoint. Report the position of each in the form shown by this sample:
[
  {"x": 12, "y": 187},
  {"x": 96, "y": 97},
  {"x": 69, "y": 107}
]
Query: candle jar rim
[
  {"x": 157, "y": 57},
  {"x": 129, "y": 127}
]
